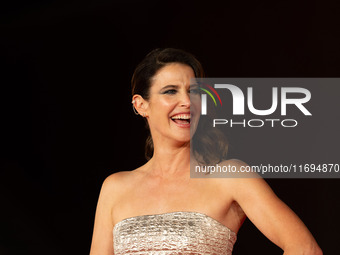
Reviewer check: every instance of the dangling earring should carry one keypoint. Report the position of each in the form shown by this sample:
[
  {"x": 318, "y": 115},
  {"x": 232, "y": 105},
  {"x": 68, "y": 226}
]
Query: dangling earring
[{"x": 133, "y": 108}]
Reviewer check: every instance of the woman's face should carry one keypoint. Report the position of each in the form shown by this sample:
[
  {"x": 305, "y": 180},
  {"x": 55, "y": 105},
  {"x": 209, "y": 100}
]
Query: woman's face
[{"x": 170, "y": 112}]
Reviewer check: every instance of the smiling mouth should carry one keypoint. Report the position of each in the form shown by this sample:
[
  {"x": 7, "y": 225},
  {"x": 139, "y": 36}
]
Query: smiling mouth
[{"x": 181, "y": 118}]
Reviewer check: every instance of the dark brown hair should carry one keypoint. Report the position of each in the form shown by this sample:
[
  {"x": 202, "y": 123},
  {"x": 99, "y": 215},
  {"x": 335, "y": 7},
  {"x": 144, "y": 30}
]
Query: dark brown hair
[{"x": 141, "y": 83}]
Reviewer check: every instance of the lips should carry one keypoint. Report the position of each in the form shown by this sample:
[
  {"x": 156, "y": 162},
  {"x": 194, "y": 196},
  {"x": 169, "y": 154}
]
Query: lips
[{"x": 182, "y": 119}]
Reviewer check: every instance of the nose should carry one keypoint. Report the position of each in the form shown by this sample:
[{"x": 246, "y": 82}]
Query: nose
[{"x": 185, "y": 100}]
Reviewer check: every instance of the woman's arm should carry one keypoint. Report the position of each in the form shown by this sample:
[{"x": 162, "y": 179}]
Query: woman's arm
[
  {"x": 273, "y": 217},
  {"x": 102, "y": 239}
]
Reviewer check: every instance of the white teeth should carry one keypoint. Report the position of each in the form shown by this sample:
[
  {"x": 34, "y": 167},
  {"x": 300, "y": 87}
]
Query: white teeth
[{"x": 182, "y": 116}]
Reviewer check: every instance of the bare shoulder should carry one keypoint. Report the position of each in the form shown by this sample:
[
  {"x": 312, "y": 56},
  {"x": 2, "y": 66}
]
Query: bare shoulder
[
  {"x": 248, "y": 185},
  {"x": 237, "y": 180},
  {"x": 118, "y": 180},
  {"x": 268, "y": 213},
  {"x": 236, "y": 164},
  {"x": 234, "y": 161},
  {"x": 115, "y": 184}
]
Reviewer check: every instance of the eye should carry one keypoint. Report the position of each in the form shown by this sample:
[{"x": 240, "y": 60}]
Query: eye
[
  {"x": 170, "y": 91},
  {"x": 194, "y": 91}
]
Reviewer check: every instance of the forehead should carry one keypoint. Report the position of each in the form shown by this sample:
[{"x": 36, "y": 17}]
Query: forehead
[{"x": 173, "y": 74}]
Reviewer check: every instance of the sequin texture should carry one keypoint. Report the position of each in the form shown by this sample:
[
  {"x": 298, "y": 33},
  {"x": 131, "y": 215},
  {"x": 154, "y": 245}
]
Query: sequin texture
[{"x": 172, "y": 233}]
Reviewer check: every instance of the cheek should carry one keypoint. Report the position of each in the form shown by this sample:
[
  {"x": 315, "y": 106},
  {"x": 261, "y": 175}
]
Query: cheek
[
  {"x": 195, "y": 104},
  {"x": 162, "y": 107}
]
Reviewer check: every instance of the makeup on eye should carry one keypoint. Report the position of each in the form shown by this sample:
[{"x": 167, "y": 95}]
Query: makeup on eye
[
  {"x": 169, "y": 89},
  {"x": 194, "y": 89},
  {"x": 173, "y": 89}
]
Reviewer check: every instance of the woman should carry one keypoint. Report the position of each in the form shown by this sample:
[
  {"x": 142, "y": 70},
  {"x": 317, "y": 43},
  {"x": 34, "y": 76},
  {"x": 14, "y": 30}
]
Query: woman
[{"x": 157, "y": 208}]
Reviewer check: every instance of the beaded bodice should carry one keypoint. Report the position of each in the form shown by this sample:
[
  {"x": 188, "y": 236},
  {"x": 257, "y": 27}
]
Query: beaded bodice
[{"x": 172, "y": 233}]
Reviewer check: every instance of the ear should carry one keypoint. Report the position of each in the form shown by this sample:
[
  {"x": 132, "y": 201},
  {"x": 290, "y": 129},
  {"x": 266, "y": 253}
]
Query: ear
[{"x": 140, "y": 104}]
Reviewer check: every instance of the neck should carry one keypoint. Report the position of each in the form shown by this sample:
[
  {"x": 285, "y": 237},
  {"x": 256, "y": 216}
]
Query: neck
[{"x": 170, "y": 161}]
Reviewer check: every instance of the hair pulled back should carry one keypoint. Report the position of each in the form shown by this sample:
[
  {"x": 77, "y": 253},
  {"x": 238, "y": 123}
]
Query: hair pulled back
[{"x": 141, "y": 84}]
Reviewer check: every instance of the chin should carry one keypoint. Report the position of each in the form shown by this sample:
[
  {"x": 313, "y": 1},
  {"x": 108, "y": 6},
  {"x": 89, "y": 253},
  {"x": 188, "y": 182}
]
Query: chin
[
  {"x": 183, "y": 139},
  {"x": 186, "y": 140}
]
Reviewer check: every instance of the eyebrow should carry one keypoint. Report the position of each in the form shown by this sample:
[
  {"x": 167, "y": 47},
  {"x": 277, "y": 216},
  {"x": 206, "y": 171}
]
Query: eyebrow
[
  {"x": 170, "y": 86},
  {"x": 176, "y": 86}
]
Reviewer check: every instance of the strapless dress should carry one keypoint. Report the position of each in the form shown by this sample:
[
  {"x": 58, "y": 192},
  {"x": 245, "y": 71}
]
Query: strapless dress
[{"x": 172, "y": 233}]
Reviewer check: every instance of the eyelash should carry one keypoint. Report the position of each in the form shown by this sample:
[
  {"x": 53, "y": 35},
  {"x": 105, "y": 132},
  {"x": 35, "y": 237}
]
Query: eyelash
[
  {"x": 170, "y": 91},
  {"x": 173, "y": 91},
  {"x": 195, "y": 91}
]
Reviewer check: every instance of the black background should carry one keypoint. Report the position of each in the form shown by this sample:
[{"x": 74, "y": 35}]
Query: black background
[{"x": 66, "y": 103}]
